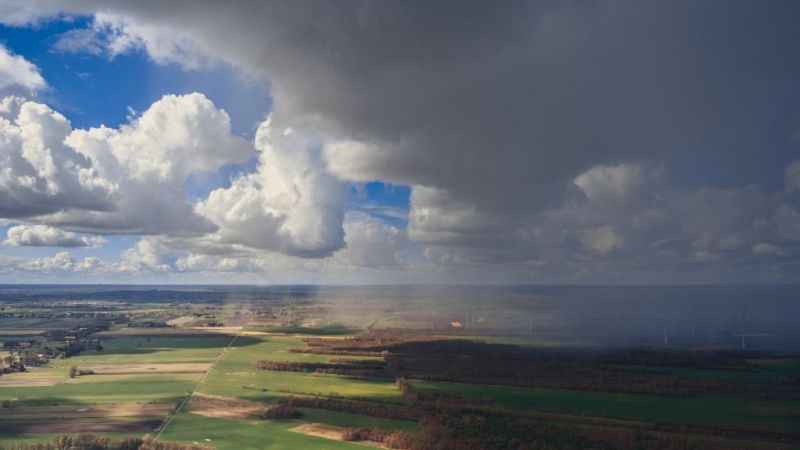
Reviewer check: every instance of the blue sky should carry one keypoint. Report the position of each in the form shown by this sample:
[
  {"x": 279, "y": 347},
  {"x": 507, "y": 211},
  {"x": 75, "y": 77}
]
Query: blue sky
[{"x": 96, "y": 89}]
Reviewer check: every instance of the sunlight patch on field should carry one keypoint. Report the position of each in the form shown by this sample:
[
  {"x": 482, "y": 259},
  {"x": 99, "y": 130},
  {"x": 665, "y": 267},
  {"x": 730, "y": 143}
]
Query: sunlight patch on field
[
  {"x": 33, "y": 377},
  {"x": 224, "y": 407},
  {"x": 73, "y": 412},
  {"x": 130, "y": 369}
]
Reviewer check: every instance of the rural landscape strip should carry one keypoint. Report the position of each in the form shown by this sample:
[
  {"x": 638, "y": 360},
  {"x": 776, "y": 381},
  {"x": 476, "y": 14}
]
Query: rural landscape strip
[{"x": 425, "y": 385}]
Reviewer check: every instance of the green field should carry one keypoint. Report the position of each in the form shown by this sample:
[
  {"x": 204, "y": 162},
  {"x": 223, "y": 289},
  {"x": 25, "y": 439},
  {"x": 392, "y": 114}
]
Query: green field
[
  {"x": 246, "y": 435},
  {"x": 146, "y": 388},
  {"x": 157, "y": 349},
  {"x": 121, "y": 388},
  {"x": 236, "y": 376}
]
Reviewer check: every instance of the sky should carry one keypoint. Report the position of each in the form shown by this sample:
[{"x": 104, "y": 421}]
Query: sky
[{"x": 597, "y": 142}]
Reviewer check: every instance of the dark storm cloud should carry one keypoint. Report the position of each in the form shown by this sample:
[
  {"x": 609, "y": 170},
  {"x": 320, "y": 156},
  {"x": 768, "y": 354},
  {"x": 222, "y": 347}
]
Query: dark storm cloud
[{"x": 487, "y": 98}]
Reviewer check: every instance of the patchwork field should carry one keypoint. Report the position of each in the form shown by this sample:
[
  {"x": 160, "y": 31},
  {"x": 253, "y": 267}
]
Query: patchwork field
[
  {"x": 129, "y": 387},
  {"x": 236, "y": 376},
  {"x": 290, "y": 377},
  {"x": 138, "y": 379}
]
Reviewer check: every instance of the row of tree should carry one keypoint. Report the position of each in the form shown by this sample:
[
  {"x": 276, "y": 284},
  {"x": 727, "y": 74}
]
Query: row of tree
[
  {"x": 95, "y": 442},
  {"x": 347, "y": 368},
  {"x": 372, "y": 409}
]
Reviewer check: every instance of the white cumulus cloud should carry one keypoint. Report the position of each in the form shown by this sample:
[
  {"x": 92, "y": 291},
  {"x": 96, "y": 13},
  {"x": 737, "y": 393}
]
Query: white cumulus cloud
[
  {"x": 39, "y": 174},
  {"x": 46, "y": 236},
  {"x": 16, "y": 71},
  {"x": 291, "y": 204},
  {"x": 150, "y": 159},
  {"x": 61, "y": 262}
]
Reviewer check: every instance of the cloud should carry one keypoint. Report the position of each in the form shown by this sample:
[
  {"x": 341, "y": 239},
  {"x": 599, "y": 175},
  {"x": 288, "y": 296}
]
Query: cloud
[
  {"x": 792, "y": 177},
  {"x": 659, "y": 233},
  {"x": 787, "y": 222},
  {"x": 602, "y": 240},
  {"x": 611, "y": 184},
  {"x": 767, "y": 249},
  {"x": 84, "y": 40},
  {"x": 120, "y": 180},
  {"x": 372, "y": 243},
  {"x": 149, "y": 254},
  {"x": 414, "y": 94},
  {"x": 291, "y": 204},
  {"x": 205, "y": 263},
  {"x": 178, "y": 135},
  {"x": 61, "y": 262},
  {"x": 45, "y": 236},
  {"x": 112, "y": 35},
  {"x": 16, "y": 71},
  {"x": 149, "y": 159},
  {"x": 38, "y": 173}
]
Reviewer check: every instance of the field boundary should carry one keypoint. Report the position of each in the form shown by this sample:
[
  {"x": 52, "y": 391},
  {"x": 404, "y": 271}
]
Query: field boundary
[{"x": 185, "y": 401}]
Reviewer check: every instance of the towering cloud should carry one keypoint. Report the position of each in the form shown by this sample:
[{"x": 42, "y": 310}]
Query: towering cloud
[
  {"x": 149, "y": 160},
  {"x": 38, "y": 173},
  {"x": 112, "y": 180},
  {"x": 291, "y": 204}
]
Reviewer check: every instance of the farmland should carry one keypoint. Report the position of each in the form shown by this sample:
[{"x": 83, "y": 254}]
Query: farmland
[{"x": 278, "y": 372}]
